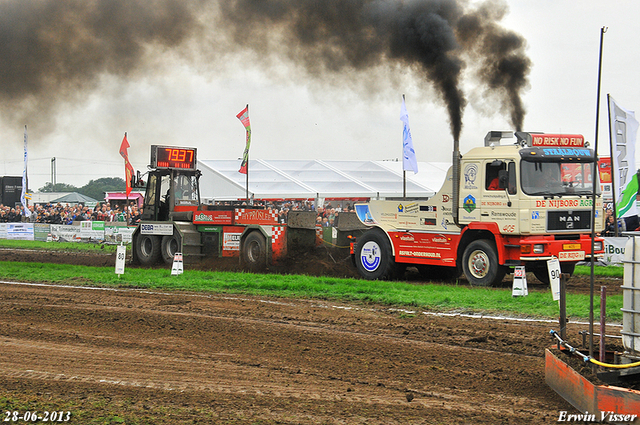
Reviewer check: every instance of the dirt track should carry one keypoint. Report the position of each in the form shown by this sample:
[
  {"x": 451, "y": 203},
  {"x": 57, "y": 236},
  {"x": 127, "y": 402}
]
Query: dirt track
[{"x": 194, "y": 358}]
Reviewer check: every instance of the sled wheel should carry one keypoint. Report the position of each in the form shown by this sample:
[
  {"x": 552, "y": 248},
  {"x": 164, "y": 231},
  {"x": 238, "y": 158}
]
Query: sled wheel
[{"x": 254, "y": 252}]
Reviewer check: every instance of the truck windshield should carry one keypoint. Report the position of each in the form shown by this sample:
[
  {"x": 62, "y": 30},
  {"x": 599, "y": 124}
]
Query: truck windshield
[{"x": 557, "y": 178}]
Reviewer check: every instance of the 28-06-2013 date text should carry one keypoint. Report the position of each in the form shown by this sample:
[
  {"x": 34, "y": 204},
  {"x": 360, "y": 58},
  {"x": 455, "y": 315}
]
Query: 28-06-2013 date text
[{"x": 35, "y": 416}]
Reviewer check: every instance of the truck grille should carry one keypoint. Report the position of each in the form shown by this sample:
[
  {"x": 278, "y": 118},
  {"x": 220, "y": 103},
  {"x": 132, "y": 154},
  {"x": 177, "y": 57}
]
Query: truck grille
[{"x": 568, "y": 221}]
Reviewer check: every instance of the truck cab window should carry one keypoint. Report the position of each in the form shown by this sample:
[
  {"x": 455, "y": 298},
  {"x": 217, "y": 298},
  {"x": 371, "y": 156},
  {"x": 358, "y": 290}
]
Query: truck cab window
[
  {"x": 186, "y": 189},
  {"x": 492, "y": 180},
  {"x": 512, "y": 186}
]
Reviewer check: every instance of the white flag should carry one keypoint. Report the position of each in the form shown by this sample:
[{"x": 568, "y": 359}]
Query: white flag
[
  {"x": 623, "y": 128},
  {"x": 409, "y": 161},
  {"x": 23, "y": 199}
]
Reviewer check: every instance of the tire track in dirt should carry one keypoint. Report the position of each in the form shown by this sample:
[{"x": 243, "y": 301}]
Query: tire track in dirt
[{"x": 300, "y": 351}]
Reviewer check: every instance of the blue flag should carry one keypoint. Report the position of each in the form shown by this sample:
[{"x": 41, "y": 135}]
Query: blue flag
[
  {"x": 23, "y": 198},
  {"x": 409, "y": 161}
]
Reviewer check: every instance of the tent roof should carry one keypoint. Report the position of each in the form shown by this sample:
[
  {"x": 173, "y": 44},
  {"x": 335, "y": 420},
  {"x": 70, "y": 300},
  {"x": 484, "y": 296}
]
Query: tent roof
[
  {"x": 315, "y": 178},
  {"x": 75, "y": 198}
]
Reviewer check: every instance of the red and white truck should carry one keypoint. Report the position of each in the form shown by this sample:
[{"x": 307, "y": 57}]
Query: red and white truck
[{"x": 501, "y": 206}]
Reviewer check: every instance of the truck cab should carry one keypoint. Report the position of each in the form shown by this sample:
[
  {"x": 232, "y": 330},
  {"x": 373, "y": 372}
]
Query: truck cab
[{"x": 171, "y": 194}]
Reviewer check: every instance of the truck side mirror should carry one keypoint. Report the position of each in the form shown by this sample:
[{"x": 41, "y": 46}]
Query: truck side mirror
[{"x": 503, "y": 179}]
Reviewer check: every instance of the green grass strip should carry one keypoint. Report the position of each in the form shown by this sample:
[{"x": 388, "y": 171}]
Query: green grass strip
[
  {"x": 608, "y": 271},
  {"x": 59, "y": 246},
  {"x": 437, "y": 297}
]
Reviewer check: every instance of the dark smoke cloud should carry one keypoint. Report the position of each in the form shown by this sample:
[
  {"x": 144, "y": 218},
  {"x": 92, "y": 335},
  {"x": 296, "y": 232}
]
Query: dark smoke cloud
[
  {"x": 51, "y": 51},
  {"x": 55, "y": 50},
  {"x": 500, "y": 57},
  {"x": 428, "y": 36}
]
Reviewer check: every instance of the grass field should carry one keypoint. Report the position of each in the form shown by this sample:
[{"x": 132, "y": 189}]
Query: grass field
[{"x": 434, "y": 297}]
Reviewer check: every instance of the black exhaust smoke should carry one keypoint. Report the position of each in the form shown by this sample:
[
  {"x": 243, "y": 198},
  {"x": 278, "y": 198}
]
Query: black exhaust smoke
[{"x": 56, "y": 51}]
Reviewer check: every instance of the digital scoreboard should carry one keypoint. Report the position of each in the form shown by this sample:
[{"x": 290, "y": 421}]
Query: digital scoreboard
[{"x": 173, "y": 157}]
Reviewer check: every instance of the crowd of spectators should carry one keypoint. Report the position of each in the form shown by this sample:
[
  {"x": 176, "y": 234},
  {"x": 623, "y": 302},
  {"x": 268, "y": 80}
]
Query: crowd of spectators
[
  {"x": 68, "y": 214},
  {"x": 326, "y": 214},
  {"x": 60, "y": 213},
  {"x": 609, "y": 223},
  {"x": 64, "y": 213}
]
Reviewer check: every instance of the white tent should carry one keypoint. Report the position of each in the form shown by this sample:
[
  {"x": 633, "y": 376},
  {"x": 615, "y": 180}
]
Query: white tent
[{"x": 311, "y": 179}]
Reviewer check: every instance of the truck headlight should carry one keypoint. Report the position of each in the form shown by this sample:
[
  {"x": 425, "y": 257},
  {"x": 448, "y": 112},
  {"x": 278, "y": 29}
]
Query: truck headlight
[
  {"x": 538, "y": 248},
  {"x": 598, "y": 246}
]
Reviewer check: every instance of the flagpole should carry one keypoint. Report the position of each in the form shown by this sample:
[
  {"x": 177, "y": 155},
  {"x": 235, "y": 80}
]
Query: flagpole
[
  {"x": 25, "y": 179},
  {"x": 126, "y": 192},
  {"x": 247, "y": 175},
  {"x": 593, "y": 204},
  {"x": 243, "y": 116},
  {"x": 404, "y": 172},
  {"x": 613, "y": 180}
]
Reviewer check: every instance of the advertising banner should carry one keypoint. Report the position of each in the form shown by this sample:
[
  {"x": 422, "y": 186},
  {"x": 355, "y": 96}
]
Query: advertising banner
[
  {"x": 614, "y": 250},
  {"x": 93, "y": 230},
  {"x": 20, "y": 231},
  {"x": 117, "y": 234}
]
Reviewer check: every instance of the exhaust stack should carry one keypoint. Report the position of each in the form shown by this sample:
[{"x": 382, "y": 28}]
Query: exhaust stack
[{"x": 455, "y": 175}]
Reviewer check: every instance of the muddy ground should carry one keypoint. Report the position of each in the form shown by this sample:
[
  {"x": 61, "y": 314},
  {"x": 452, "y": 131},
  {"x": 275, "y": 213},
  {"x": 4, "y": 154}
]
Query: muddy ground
[{"x": 158, "y": 358}]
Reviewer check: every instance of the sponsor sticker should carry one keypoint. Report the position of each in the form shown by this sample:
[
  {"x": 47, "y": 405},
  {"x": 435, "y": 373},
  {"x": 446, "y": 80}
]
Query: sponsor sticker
[
  {"x": 156, "y": 229},
  {"x": 370, "y": 256},
  {"x": 470, "y": 175},
  {"x": 231, "y": 241},
  {"x": 469, "y": 203}
]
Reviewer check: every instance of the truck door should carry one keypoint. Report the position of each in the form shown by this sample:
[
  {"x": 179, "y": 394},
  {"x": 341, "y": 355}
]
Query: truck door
[
  {"x": 499, "y": 196},
  {"x": 471, "y": 186}
]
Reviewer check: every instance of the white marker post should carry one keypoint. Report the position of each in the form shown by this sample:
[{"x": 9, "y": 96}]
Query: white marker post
[
  {"x": 177, "y": 267},
  {"x": 519, "y": 288},
  {"x": 553, "y": 266},
  {"x": 121, "y": 255}
]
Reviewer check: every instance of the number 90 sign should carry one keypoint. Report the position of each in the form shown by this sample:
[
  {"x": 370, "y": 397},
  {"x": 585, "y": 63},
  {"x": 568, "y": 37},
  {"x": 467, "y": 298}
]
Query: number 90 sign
[{"x": 553, "y": 266}]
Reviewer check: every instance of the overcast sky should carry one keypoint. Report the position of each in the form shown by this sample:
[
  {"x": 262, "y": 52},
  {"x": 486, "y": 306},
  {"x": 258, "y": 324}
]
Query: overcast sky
[{"x": 177, "y": 92}]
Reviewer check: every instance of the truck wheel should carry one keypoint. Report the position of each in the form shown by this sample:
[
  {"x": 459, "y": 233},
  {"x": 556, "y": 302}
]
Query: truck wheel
[
  {"x": 373, "y": 256},
  {"x": 541, "y": 272},
  {"x": 148, "y": 249},
  {"x": 480, "y": 264},
  {"x": 254, "y": 252},
  {"x": 169, "y": 248}
]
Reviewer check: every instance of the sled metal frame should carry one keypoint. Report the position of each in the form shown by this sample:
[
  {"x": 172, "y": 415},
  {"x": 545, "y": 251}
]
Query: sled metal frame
[{"x": 584, "y": 395}]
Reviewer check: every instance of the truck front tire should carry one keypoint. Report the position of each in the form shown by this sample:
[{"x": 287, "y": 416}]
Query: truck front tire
[
  {"x": 373, "y": 256},
  {"x": 541, "y": 272},
  {"x": 148, "y": 249},
  {"x": 480, "y": 263}
]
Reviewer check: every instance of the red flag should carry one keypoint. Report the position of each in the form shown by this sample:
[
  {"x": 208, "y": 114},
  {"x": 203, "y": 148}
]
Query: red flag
[
  {"x": 243, "y": 116},
  {"x": 128, "y": 168}
]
